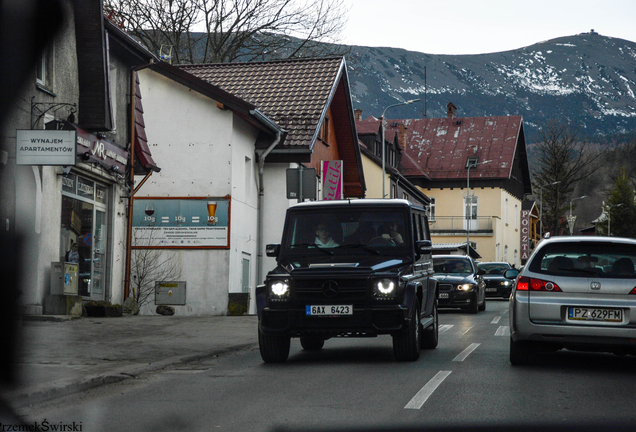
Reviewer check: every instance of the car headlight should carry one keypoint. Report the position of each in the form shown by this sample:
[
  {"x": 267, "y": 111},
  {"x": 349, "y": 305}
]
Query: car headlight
[
  {"x": 466, "y": 287},
  {"x": 385, "y": 288},
  {"x": 506, "y": 283},
  {"x": 279, "y": 288}
]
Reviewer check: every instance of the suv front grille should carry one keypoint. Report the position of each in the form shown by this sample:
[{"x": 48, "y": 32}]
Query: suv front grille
[{"x": 337, "y": 288}]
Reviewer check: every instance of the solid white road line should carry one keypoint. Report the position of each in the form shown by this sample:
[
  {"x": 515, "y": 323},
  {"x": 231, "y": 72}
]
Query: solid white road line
[
  {"x": 503, "y": 331},
  {"x": 426, "y": 391},
  {"x": 462, "y": 356},
  {"x": 496, "y": 319}
]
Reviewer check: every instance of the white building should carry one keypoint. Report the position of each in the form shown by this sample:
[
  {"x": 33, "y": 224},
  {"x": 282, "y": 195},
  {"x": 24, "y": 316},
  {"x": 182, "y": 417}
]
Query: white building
[{"x": 214, "y": 146}]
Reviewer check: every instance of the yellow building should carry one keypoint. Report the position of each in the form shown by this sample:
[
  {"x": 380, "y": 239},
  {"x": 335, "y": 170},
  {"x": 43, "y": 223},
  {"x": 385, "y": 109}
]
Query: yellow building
[{"x": 475, "y": 172}]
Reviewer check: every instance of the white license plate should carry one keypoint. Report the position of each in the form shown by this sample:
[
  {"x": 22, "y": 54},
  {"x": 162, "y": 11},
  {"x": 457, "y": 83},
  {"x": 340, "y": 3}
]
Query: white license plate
[
  {"x": 329, "y": 310},
  {"x": 443, "y": 295},
  {"x": 491, "y": 289},
  {"x": 595, "y": 314}
]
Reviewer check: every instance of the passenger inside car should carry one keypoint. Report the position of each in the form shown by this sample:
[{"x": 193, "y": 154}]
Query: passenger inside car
[
  {"x": 622, "y": 267},
  {"x": 560, "y": 263}
]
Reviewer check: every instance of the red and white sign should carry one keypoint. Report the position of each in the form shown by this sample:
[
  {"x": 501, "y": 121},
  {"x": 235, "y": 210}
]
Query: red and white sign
[{"x": 332, "y": 180}]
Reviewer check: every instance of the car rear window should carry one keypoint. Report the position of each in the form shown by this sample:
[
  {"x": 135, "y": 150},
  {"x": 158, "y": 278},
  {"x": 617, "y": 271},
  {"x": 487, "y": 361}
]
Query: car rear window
[{"x": 586, "y": 259}]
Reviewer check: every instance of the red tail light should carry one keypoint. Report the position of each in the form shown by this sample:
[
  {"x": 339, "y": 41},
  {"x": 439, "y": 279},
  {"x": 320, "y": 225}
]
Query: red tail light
[
  {"x": 532, "y": 284},
  {"x": 633, "y": 291}
]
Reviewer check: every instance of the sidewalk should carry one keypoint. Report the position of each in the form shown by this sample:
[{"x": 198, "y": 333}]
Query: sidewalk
[{"x": 62, "y": 356}]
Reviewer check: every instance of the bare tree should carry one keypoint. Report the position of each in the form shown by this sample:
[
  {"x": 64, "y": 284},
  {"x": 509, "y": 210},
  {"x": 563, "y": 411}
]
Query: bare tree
[
  {"x": 150, "y": 265},
  {"x": 221, "y": 31},
  {"x": 562, "y": 157}
]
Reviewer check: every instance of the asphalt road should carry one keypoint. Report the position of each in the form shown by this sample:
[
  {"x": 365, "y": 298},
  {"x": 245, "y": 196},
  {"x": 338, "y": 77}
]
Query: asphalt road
[{"x": 356, "y": 383}]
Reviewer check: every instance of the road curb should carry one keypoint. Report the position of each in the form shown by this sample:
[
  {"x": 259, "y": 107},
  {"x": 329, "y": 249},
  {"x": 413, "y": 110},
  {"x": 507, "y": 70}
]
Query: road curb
[{"x": 44, "y": 393}]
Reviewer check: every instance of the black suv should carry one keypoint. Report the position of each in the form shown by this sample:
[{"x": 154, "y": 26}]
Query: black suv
[{"x": 351, "y": 268}]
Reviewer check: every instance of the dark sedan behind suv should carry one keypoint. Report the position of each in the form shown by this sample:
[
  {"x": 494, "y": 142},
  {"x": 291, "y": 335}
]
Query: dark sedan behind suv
[
  {"x": 496, "y": 284},
  {"x": 460, "y": 283}
]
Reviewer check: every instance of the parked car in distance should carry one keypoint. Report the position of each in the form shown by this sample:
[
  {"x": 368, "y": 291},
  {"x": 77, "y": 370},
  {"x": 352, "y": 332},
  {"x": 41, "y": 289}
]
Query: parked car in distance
[
  {"x": 577, "y": 293},
  {"x": 496, "y": 284},
  {"x": 350, "y": 268},
  {"x": 460, "y": 283}
]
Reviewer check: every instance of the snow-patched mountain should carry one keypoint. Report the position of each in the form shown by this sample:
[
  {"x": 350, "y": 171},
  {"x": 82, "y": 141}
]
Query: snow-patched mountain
[{"x": 588, "y": 80}]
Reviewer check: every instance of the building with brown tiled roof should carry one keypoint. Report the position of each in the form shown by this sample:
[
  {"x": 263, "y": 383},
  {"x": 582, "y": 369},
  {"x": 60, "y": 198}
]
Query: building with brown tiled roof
[
  {"x": 309, "y": 99},
  {"x": 436, "y": 157},
  {"x": 396, "y": 185},
  {"x": 227, "y": 135}
]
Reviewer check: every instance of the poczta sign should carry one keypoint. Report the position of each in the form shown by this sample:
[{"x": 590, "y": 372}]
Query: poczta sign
[{"x": 525, "y": 234}]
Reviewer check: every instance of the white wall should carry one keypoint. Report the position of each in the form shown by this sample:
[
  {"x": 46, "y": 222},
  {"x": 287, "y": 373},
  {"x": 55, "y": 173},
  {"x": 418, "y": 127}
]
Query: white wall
[{"x": 202, "y": 151}]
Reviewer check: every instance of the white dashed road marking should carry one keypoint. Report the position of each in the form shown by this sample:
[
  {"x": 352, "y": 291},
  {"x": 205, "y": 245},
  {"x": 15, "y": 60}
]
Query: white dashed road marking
[
  {"x": 467, "y": 330},
  {"x": 444, "y": 327},
  {"x": 425, "y": 392},
  {"x": 462, "y": 356},
  {"x": 496, "y": 319},
  {"x": 503, "y": 331}
]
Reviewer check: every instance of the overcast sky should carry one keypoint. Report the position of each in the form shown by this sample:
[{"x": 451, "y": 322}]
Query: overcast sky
[{"x": 482, "y": 26}]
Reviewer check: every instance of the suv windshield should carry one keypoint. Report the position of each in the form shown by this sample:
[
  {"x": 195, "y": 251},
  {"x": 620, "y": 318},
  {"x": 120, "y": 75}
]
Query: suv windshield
[
  {"x": 457, "y": 266},
  {"x": 337, "y": 232},
  {"x": 582, "y": 259}
]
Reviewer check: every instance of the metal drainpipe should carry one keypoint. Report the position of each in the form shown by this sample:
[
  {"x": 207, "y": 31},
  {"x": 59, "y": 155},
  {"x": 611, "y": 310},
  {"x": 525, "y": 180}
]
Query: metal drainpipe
[{"x": 261, "y": 189}]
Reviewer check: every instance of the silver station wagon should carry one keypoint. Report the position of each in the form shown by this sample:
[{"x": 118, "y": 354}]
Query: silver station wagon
[{"x": 577, "y": 293}]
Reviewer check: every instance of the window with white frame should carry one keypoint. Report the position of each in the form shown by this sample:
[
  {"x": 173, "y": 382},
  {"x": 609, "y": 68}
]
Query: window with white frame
[
  {"x": 506, "y": 212},
  {"x": 431, "y": 210},
  {"x": 43, "y": 68}
]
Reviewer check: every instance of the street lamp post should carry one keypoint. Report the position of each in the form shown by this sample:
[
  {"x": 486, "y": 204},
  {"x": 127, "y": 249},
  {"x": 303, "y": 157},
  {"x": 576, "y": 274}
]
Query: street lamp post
[
  {"x": 571, "y": 218},
  {"x": 541, "y": 205},
  {"x": 383, "y": 146},
  {"x": 609, "y": 217},
  {"x": 469, "y": 203}
]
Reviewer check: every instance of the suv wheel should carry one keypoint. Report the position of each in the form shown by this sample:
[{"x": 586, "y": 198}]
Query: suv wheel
[
  {"x": 430, "y": 336},
  {"x": 311, "y": 343},
  {"x": 520, "y": 352},
  {"x": 406, "y": 344},
  {"x": 274, "y": 348}
]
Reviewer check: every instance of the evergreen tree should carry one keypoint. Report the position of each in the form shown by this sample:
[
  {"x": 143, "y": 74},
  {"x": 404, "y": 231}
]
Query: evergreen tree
[{"x": 622, "y": 208}]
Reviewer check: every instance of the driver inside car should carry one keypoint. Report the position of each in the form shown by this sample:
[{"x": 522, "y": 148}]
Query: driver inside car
[
  {"x": 390, "y": 232},
  {"x": 323, "y": 237}
]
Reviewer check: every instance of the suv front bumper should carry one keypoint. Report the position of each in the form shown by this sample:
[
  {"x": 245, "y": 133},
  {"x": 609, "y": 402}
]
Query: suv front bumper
[{"x": 365, "y": 321}]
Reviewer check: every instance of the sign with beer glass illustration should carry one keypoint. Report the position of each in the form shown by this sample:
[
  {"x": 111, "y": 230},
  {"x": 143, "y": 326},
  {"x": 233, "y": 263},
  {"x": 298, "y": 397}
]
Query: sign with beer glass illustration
[{"x": 201, "y": 222}]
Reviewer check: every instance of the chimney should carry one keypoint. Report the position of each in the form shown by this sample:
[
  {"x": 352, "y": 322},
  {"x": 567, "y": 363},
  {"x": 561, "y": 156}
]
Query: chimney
[
  {"x": 358, "y": 114},
  {"x": 402, "y": 136},
  {"x": 451, "y": 110}
]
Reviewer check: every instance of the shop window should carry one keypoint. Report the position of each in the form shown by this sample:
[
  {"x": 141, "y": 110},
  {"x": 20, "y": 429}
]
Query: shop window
[{"x": 84, "y": 232}]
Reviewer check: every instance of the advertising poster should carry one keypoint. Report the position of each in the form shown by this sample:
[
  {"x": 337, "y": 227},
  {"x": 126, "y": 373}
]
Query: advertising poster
[
  {"x": 201, "y": 222},
  {"x": 332, "y": 180}
]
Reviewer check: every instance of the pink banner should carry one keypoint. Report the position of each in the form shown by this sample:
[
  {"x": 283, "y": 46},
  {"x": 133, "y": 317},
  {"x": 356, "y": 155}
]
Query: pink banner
[{"x": 332, "y": 180}]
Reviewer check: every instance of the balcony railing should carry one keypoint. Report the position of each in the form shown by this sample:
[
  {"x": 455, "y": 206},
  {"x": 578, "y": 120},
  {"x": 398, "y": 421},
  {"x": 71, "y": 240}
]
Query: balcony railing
[{"x": 458, "y": 224}]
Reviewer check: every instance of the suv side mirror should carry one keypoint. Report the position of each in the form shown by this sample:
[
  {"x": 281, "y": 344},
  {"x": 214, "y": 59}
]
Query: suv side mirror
[
  {"x": 424, "y": 247},
  {"x": 272, "y": 250},
  {"x": 481, "y": 271}
]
